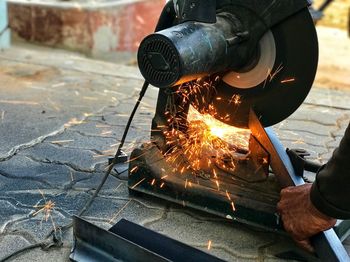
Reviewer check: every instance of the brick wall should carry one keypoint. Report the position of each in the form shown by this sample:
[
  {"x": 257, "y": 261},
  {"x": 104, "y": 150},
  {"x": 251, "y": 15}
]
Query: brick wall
[{"x": 94, "y": 29}]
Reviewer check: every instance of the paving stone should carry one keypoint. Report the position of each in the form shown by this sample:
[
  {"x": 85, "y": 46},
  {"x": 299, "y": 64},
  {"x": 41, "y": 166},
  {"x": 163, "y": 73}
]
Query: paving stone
[
  {"x": 14, "y": 184},
  {"x": 102, "y": 129},
  {"x": 302, "y": 138},
  {"x": 50, "y": 97},
  {"x": 68, "y": 203},
  {"x": 335, "y": 143},
  {"x": 11, "y": 211},
  {"x": 105, "y": 208},
  {"x": 326, "y": 116},
  {"x": 12, "y": 243},
  {"x": 82, "y": 160},
  {"x": 150, "y": 202},
  {"x": 304, "y": 126},
  {"x": 38, "y": 226},
  {"x": 75, "y": 140},
  {"x": 329, "y": 98},
  {"x": 138, "y": 213},
  {"x": 25, "y": 173},
  {"x": 111, "y": 186},
  {"x": 96, "y": 127},
  {"x": 342, "y": 127},
  {"x": 325, "y": 157},
  {"x": 55, "y": 255},
  {"x": 120, "y": 116}
]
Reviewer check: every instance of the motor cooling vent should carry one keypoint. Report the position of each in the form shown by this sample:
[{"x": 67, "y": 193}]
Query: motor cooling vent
[{"x": 158, "y": 61}]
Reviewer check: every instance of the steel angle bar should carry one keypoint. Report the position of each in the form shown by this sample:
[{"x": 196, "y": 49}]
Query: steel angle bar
[{"x": 129, "y": 242}]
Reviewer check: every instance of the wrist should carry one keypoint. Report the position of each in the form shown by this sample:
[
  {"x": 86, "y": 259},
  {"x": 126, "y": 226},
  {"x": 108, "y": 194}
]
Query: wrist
[{"x": 314, "y": 210}]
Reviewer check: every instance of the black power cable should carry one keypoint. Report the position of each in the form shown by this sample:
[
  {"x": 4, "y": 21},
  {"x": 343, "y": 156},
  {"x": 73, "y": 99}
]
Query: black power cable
[{"x": 114, "y": 161}]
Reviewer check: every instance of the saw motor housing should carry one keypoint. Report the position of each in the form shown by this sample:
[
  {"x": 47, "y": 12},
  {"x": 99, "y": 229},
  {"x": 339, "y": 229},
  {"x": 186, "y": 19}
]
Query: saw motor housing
[{"x": 208, "y": 37}]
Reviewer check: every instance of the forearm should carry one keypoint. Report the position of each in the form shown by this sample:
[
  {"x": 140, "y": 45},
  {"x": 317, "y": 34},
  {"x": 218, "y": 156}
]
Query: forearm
[{"x": 330, "y": 193}]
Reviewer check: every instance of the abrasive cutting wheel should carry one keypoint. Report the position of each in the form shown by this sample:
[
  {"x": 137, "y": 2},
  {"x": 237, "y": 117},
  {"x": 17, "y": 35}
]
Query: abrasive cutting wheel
[{"x": 277, "y": 82}]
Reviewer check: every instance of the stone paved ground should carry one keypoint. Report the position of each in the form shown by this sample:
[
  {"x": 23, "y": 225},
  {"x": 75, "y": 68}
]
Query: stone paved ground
[{"x": 61, "y": 115}]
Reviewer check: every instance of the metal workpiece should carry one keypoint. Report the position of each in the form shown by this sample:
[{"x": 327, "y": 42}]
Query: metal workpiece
[{"x": 129, "y": 242}]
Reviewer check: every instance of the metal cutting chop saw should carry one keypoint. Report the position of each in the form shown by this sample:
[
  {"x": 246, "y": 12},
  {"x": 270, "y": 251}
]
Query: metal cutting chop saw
[{"x": 247, "y": 64}]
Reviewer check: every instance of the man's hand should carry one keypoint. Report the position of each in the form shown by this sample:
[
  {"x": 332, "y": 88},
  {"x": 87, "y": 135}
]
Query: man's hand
[{"x": 300, "y": 218}]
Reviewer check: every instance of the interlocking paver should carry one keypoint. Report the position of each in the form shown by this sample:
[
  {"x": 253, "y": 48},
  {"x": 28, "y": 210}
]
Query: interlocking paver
[
  {"x": 55, "y": 255},
  {"x": 138, "y": 212},
  {"x": 13, "y": 243},
  {"x": 11, "y": 211},
  {"x": 307, "y": 126},
  {"x": 80, "y": 160}
]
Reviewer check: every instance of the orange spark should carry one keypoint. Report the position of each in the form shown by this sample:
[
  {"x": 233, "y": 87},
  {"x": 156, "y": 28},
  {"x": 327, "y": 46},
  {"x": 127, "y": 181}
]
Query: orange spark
[
  {"x": 134, "y": 169},
  {"x": 138, "y": 183},
  {"x": 209, "y": 245},
  {"x": 217, "y": 184},
  {"x": 61, "y": 141},
  {"x": 228, "y": 196},
  {"x": 288, "y": 80},
  {"x": 233, "y": 207}
]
